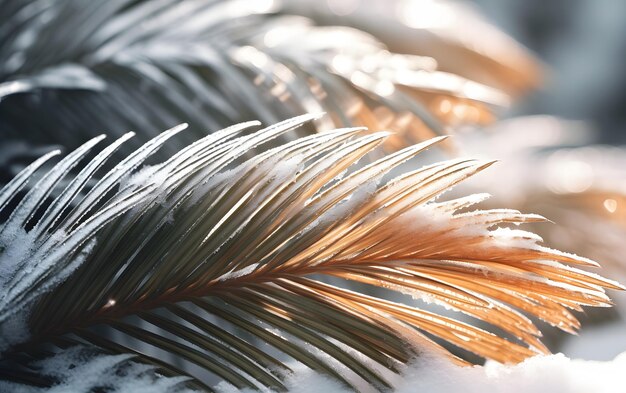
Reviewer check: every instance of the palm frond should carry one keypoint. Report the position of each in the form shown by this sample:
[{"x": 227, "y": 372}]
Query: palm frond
[
  {"x": 454, "y": 33},
  {"x": 211, "y": 63},
  {"x": 191, "y": 261}
]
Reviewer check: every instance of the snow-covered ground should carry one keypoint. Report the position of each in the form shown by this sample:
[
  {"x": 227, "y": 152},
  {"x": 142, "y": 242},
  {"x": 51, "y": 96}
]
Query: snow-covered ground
[
  {"x": 430, "y": 373},
  {"x": 541, "y": 374}
]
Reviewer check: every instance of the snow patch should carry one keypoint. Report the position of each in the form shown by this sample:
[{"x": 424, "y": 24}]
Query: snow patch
[
  {"x": 554, "y": 373},
  {"x": 28, "y": 266},
  {"x": 436, "y": 374},
  {"x": 79, "y": 369}
]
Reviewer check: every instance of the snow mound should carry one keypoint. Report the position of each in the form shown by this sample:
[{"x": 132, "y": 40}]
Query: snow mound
[
  {"x": 80, "y": 370},
  {"x": 435, "y": 374},
  {"x": 554, "y": 373}
]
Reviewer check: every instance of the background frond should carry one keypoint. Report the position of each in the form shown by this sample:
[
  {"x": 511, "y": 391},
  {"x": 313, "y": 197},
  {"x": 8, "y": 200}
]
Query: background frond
[{"x": 85, "y": 68}]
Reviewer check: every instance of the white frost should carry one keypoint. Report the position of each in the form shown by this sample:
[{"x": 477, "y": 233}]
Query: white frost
[
  {"x": 79, "y": 370},
  {"x": 554, "y": 373},
  {"x": 434, "y": 374},
  {"x": 239, "y": 273}
]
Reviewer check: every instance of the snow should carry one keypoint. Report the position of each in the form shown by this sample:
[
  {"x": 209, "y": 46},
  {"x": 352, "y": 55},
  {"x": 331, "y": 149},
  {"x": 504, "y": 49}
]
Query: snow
[
  {"x": 16, "y": 302},
  {"x": 435, "y": 374},
  {"x": 554, "y": 373},
  {"x": 14, "y": 330},
  {"x": 80, "y": 370}
]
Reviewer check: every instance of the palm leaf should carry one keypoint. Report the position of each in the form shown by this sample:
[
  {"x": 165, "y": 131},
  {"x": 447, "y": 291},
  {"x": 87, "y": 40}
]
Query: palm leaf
[
  {"x": 187, "y": 264},
  {"x": 211, "y": 63},
  {"x": 455, "y": 33}
]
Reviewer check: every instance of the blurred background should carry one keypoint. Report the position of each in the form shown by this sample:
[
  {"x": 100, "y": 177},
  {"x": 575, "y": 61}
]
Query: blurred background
[
  {"x": 583, "y": 44},
  {"x": 580, "y": 45}
]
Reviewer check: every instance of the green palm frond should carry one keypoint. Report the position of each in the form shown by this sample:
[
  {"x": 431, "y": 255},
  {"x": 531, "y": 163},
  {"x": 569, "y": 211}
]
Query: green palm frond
[
  {"x": 189, "y": 263},
  {"x": 69, "y": 64}
]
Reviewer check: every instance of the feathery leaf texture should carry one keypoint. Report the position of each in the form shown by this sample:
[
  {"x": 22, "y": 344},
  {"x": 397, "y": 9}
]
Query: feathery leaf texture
[
  {"x": 198, "y": 258},
  {"x": 206, "y": 62}
]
